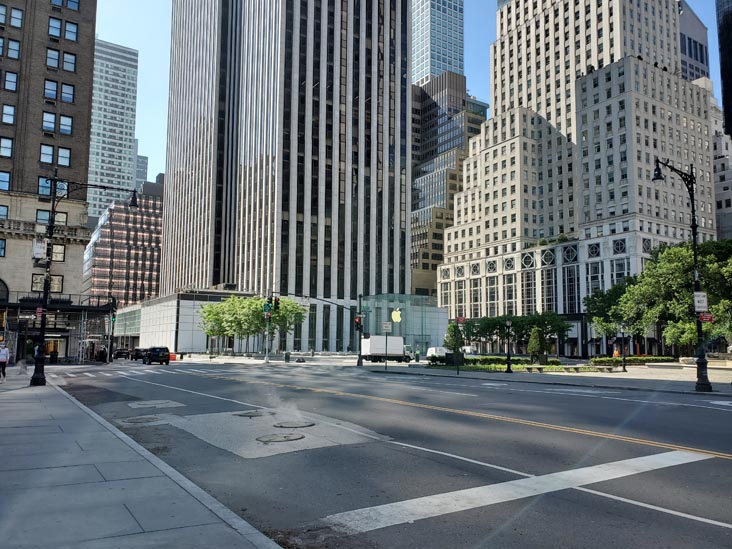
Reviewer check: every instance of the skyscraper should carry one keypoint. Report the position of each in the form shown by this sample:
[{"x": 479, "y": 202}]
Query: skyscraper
[
  {"x": 288, "y": 162},
  {"x": 112, "y": 155},
  {"x": 437, "y": 38},
  {"x": 724, "y": 26},
  {"x": 557, "y": 198}
]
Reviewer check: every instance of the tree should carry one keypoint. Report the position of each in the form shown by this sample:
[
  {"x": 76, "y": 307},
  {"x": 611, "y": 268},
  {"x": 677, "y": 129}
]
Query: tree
[
  {"x": 454, "y": 338},
  {"x": 536, "y": 343},
  {"x": 212, "y": 321},
  {"x": 603, "y": 307},
  {"x": 551, "y": 326},
  {"x": 289, "y": 315}
]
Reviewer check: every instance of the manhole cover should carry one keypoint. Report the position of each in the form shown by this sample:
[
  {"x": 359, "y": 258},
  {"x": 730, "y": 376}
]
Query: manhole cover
[
  {"x": 289, "y": 437},
  {"x": 143, "y": 419},
  {"x": 294, "y": 424},
  {"x": 254, "y": 413}
]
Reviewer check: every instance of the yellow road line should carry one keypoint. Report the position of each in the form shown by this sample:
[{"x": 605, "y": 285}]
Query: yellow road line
[{"x": 482, "y": 415}]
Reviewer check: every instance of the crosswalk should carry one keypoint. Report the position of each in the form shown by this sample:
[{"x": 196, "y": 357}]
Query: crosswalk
[{"x": 132, "y": 372}]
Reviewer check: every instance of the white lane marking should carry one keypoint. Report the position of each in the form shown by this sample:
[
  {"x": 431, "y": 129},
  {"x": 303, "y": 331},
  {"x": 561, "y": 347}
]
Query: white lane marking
[
  {"x": 119, "y": 373},
  {"x": 589, "y": 391},
  {"x": 88, "y": 375},
  {"x": 167, "y": 371},
  {"x": 494, "y": 384},
  {"x": 54, "y": 376},
  {"x": 150, "y": 371},
  {"x": 181, "y": 371},
  {"x": 106, "y": 374},
  {"x": 721, "y": 402},
  {"x": 70, "y": 375},
  {"x": 391, "y": 514},
  {"x": 656, "y": 508}
]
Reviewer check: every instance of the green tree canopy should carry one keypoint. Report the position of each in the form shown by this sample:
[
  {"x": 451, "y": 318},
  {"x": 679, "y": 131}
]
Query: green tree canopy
[{"x": 454, "y": 338}]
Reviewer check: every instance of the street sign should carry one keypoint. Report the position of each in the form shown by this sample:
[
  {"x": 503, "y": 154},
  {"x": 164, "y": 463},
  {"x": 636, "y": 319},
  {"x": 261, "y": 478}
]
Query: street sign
[
  {"x": 706, "y": 317},
  {"x": 460, "y": 319},
  {"x": 365, "y": 309},
  {"x": 39, "y": 311},
  {"x": 387, "y": 327},
  {"x": 700, "y": 302}
]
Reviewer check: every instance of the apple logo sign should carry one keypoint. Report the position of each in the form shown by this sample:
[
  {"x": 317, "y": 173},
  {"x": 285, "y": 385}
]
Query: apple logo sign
[{"x": 396, "y": 315}]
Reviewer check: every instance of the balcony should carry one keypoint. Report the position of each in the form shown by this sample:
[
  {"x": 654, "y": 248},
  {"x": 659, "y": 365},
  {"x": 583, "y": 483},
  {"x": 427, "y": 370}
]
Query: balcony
[{"x": 15, "y": 227}]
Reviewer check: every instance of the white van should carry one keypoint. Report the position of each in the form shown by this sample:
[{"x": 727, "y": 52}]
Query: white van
[
  {"x": 469, "y": 350},
  {"x": 439, "y": 352}
]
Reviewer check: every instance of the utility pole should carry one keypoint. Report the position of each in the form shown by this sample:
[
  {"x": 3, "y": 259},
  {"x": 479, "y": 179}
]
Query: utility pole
[{"x": 359, "y": 362}]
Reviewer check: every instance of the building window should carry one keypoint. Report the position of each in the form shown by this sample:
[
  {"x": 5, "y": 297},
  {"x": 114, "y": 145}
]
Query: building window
[
  {"x": 13, "y": 49},
  {"x": 54, "y": 27},
  {"x": 16, "y": 18},
  {"x": 52, "y": 58},
  {"x": 3, "y": 212},
  {"x": 50, "y": 89},
  {"x": 11, "y": 81},
  {"x": 69, "y": 62},
  {"x": 42, "y": 217},
  {"x": 63, "y": 158},
  {"x": 59, "y": 252},
  {"x": 71, "y": 31},
  {"x": 8, "y": 114},
  {"x": 72, "y": 4},
  {"x": 67, "y": 93},
  {"x": 57, "y": 283},
  {"x": 3, "y": 14},
  {"x": 47, "y": 154},
  {"x": 4, "y": 181},
  {"x": 65, "y": 125},
  {"x": 6, "y": 147},
  {"x": 49, "y": 122},
  {"x": 2, "y": 245}
]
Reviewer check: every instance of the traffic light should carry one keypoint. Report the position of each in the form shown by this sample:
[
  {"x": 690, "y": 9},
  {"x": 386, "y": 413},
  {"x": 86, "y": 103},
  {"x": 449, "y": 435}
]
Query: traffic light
[
  {"x": 357, "y": 324},
  {"x": 269, "y": 317},
  {"x": 276, "y": 303},
  {"x": 114, "y": 317}
]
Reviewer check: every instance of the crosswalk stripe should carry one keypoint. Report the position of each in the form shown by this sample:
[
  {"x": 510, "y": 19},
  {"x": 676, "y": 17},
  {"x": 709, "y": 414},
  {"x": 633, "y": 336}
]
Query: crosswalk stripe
[
  {"x": 87, "y": 374},
  {"x": 70, "y": 375},
  {"x": 54, "y": 376},
  {"x": 150, "y": 371},
  {"x": 119, "y": 373},
  {"x": 401, "y": 512},
  {"x": 181, "y": 371},
  {"x": 106, "y": 374}
]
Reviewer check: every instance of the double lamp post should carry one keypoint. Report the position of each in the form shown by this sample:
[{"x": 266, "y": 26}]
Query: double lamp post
[
  {"x": 60, "y": 189},
  {"x": 689, "y": 179}
]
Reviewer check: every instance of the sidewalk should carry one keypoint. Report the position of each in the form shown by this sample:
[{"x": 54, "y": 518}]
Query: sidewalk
[
  {"x": 638, "y": 378},
  {"x": 70, "y": 479}
]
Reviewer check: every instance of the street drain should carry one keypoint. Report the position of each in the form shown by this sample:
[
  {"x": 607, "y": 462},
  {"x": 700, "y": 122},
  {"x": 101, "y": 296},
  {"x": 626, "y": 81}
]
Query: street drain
[
  {"x": 294, "y": 424},
  {"x": 254, "y": 413},
  {"x": 289, "y": 437},
  {"x": 141, "y": 419}
]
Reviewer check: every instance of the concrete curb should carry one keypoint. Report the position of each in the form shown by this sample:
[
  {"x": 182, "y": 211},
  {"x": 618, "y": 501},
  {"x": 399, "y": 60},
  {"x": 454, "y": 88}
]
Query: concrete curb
[
  {"x": 561, "y": 383},
  {"x": 246, "y": 530}
]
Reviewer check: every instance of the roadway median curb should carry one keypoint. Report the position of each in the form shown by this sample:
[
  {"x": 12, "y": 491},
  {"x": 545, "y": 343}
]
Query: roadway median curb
[{"x": 509, "y": 379}]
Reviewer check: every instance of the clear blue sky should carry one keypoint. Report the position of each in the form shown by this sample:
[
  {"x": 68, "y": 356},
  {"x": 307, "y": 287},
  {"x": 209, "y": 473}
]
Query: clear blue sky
[{"x": 145, "y": 26}]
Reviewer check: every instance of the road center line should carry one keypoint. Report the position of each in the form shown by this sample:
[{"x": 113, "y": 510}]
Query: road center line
[{"x": 391, "y": 514}]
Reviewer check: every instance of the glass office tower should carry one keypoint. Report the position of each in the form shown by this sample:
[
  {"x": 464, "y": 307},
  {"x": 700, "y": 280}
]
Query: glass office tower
[{"x": 437, "y": 38}]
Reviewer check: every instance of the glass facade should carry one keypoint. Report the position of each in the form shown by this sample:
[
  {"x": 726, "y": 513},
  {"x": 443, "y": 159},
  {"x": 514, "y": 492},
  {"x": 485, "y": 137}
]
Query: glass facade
[{"x": 437, "y": 38}]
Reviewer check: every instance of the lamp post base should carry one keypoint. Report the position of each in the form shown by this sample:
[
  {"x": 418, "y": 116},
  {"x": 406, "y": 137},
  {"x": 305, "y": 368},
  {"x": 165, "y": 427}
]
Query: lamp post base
[
  {"x": 37, "y": 381},
  {"x": 702, "y": 379},
  {"x": 39, "y": 374}
]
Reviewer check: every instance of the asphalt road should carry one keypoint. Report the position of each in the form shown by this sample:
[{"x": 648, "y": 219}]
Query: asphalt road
[{"x": 350, "y": 458}]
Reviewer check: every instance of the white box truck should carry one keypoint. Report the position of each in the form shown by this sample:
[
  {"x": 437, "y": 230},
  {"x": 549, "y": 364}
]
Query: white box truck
[{"x": 375, "y": 349}]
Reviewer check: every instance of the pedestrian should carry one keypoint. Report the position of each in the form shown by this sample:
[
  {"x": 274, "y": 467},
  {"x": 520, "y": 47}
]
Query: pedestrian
[{"x": 4, "y": 359}]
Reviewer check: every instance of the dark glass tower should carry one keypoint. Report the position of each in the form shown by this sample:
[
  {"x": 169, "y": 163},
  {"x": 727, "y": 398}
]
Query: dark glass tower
[{"x": 724, "y": 22}]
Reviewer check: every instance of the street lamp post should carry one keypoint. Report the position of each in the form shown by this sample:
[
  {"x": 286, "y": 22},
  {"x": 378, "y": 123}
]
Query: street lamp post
[
  {"x": 702, "y": 380},
  {"x": 58, "y": 192},
  {"x": 509, "y": 323}
]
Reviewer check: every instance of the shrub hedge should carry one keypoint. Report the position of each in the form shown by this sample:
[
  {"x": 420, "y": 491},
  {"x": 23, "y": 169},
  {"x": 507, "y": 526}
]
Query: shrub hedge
[{"x": 631, "y": 360}]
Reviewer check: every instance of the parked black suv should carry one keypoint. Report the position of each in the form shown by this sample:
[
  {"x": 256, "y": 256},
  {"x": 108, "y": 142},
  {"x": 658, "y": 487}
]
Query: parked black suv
[
  {"x": 138, "y": 353},
  {"x": 157, "y": 354}
]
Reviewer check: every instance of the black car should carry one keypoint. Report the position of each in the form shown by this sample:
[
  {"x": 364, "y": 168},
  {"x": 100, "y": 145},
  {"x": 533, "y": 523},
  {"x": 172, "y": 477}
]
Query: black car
[
  {"x": 138, "y": 353},
  {"x": 122, "y": 353},
  {"x": 157, "y": 354}
]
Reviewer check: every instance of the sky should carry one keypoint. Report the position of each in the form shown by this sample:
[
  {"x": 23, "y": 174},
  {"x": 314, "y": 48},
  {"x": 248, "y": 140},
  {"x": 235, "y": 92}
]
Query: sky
[{"x": 121, "y": 23}]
